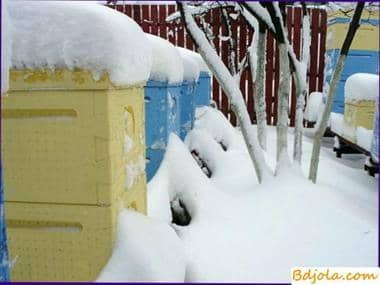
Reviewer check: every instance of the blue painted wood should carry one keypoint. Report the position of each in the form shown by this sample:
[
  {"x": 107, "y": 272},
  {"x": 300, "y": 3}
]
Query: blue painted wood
[
  {"x": 357, "y": 61},
  {"x": 162, "y": 117},
  {"x": 203, "y": 90},
  {"x": 154, "y": 158},
  {"x": 4, "y": 271},
  {"x": 187, "y": 106}
]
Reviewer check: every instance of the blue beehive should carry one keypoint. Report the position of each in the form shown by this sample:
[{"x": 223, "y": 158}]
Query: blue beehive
[
  {"x": 161, "y": 118},
  {"x": 162, "y": 101},
  {"x": 4, "y": 273},
  {"x": 191, "y": 69},
  {"x": 187, "y": 106},
  {"x": 363, "y": 56},
  {"x": 356, "y": 62},
  {"x": 203, "y": 90}
]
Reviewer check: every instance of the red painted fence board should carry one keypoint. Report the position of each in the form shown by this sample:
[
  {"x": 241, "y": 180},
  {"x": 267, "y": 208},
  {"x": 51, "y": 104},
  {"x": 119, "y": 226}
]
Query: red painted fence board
[{"x": 152, "y": 20}]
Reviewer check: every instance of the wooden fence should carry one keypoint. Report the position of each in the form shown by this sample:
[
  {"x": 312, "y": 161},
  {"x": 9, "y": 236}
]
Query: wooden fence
[{"x": 152, "y": 20}]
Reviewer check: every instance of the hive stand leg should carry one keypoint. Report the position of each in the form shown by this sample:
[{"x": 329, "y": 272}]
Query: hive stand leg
[{"x": 371, "y": 167}]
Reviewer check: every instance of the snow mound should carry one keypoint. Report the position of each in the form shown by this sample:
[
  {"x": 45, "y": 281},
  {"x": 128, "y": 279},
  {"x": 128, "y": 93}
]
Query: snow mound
[
  {"x": 145, "y": 250},
  {"x": 337, "y": 123},
  {"x": 364, "y": 138},
  {"x": 178, "y": 177},
  {"x": 361, "y": 86},
  {"x": 314, "y": 106},
  {"x": 256, "y": 233},
  {"x": 190, "y": 66},
  {"x": 167, "y": 62},
  {"x": 72, "y": 35},
  {"x": 214, "y": 122},
  {"x": 197, "y": 57}
]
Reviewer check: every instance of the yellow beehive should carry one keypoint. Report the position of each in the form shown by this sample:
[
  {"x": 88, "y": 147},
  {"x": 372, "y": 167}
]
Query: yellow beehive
[
  {"x": 366, "y": 37},
  {"x": 73, "y": 154},
  {"x": 358, "y": 114}
]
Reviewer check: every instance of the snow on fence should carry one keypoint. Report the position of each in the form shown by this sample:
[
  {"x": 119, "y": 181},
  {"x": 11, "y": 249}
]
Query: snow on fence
[{"x": 152, "y": 17}]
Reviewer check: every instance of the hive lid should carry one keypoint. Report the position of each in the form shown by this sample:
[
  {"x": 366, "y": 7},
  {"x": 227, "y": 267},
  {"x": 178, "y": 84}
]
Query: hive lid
[
  {"x": 59, "y": 35},
  {"x": 361, "y": 87},
  {"x": 167, "y": 63},
  {"x": 197, "y": 57}
]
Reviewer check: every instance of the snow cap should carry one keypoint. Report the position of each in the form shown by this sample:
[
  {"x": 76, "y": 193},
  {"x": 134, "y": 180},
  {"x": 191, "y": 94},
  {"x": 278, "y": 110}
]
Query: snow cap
[
  {"x": 314, "y": 106},
  {"x": 361, "y": 86},
  {"x": 190, "y": 67},
  {"x": 167, "y": 62},
  {"x": 72, "y": 35},
  {"x": 197, "y": 57}
]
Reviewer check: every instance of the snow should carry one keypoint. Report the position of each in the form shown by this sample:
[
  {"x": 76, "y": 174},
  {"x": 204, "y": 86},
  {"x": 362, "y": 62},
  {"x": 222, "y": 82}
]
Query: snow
[
  {"x": 314, "y": 106},
  {"x": 167, "y": 63},
  {"x": 243, "y": 231},
  {"x": 361, "y": 86},
  {"x": 195, "y": 10},
  {"x": 145, "y": 250},
  {"x": 253, "y": 47},
  {"x": 230, "y": 87},
  {"x": 337, "y": 123},
  {"x": 197, "y": 57},
  {"x": 190, "y": 65},
  {"x": 5, "y": 46},
  {"x": 82, "y": 35},
  {"x": 364, "y": 138},
  {"x": 128, "y": 144},
  {"x": 240, "y": 230},
  {"x": 133, "y": 171},
  {"x": 261, "y": 12}
]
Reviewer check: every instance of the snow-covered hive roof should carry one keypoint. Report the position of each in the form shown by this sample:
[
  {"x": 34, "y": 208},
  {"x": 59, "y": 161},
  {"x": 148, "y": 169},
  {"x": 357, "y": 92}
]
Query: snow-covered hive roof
[
  {"x": 167, "y": 62},
  {"x": 190, "y": 66},
  {"x": 197, "y": 57},
  {"x": 361, "y": 86},
  {"x": 72, "y": 35}
]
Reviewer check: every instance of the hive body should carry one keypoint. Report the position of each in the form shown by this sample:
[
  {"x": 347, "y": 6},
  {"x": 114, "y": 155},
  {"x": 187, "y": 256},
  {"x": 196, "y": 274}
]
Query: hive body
[
  {"x": 203, "y": 90},
  {"x": 73, "y": 153},
  {"x": 162, "y": 117},
  {"x": 358, "y": 114},
  {"x": 363, "y": 56}
]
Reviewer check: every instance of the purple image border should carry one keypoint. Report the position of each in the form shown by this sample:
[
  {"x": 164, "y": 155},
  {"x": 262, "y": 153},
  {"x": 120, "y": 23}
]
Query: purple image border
[{"x": 208, "y": 283}]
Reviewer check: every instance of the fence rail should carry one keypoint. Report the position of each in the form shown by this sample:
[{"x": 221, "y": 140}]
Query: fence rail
[{"x": 152, "y": 20}]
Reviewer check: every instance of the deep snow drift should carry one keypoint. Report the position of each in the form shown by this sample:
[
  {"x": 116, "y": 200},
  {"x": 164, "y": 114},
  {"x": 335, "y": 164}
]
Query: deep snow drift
[
  {"x": 144, "y": 250},
  {"x": 242, "y": 231}
]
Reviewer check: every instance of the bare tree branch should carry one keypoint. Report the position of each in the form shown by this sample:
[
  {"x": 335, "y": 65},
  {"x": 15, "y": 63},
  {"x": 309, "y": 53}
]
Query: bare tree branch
[
  {"x": 321, "y": 128},
  {"x": 230, "y": 87}
]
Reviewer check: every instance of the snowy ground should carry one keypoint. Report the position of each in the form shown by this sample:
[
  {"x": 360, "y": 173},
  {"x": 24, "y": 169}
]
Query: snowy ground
[{"x": 243, "y": 231}]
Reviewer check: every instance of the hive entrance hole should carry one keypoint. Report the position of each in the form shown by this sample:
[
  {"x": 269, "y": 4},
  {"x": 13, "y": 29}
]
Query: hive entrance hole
[
  {"x": 180, "y": 214},
  {"x": 224, "y": 147},
  {"x": 202, "y": 164}
]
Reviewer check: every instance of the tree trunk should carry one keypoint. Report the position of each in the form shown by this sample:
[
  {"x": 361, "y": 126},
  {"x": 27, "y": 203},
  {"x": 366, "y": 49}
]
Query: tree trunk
[
  {"x": 321, "y": 128},
  {"x": 259, "y": 94},
  {"x": 283, "y": 97},
  {"x": 298, "y": 125},
  {"x": 301, "y": 86},
  {"x": 230, "y": 87}
]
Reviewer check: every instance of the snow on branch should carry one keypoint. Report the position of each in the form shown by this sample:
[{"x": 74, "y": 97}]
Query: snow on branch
[
  {"x": 231, "y": 88},
  {"x": 202, "y": 9}
]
